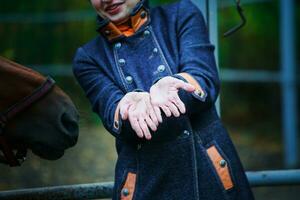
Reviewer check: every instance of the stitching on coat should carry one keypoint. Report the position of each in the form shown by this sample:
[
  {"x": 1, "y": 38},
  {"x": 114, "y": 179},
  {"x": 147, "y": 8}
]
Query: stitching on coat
[
  {"x": 162, "y": 56},
  {"x": 120, "y": 70},
  {"x": 196, "y": 187}
]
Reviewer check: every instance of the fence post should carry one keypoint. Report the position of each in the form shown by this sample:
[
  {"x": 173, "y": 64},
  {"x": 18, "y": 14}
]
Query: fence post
[{"x": 288, "y": 82}]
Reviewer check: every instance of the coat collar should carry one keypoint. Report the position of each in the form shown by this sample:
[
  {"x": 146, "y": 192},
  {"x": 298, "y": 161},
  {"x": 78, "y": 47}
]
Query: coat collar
[{"x": 139, "y": 17}]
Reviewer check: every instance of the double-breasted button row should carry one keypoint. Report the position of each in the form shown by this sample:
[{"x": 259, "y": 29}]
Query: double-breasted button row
[
  {"x": 129, "y": 79},
  {"x": 122, "y": 62}
]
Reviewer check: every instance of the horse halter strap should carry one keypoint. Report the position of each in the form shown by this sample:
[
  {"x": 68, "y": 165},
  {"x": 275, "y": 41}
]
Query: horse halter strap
[{"x": 10, "y": 157}]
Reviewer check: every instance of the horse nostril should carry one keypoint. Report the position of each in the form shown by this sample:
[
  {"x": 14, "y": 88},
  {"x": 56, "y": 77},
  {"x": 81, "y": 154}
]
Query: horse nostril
[{"x": 70, "y": 124}]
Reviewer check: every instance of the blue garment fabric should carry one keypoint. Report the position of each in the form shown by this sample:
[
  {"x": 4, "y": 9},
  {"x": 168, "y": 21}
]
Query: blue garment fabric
[{"x": 175, "y": 164}]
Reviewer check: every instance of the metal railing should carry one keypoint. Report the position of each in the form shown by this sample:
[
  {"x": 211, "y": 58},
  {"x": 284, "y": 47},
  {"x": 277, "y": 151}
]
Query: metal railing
[{"x": 104, "y": 190}]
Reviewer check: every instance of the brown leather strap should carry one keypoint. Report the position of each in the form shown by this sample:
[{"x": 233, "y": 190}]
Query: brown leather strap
[
  {"x": 16, "y": 108},
  {"x": 221, "y": 167},
  {"x": 129, "y": 186}
]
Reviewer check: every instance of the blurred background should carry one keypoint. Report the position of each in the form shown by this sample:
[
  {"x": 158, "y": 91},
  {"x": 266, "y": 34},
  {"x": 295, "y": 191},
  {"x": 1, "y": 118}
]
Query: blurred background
[{"x": 44, "y": 35}]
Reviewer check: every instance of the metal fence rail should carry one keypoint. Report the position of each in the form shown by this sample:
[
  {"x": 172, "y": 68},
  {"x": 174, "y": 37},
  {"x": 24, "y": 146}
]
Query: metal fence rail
[{"x": 104, "y": 190}]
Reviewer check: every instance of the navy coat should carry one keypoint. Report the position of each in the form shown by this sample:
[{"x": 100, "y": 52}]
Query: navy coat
[{"x": 190, "y": 157}]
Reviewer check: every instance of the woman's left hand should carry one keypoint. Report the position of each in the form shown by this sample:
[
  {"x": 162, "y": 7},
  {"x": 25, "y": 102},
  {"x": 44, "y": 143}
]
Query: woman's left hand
[{"x": 164, "y": 94}]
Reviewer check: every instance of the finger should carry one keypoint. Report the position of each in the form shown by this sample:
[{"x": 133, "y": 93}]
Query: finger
[
  {"x": 157, "y": 113},
  {"x": 179, "y": 104},
  {"x": 153, "y": 116},
  {"x": 145, "y": 129},
  {"x": 166, "y": 110},
  {"x": 124, "y": 111},
  {"x": 150, "y": 123},
  {"x": 135, "y": 126},
  {"x": 173, "y": 109},
  {"x": 183, "y": 85},
  {"x": 152, "y": 113}
]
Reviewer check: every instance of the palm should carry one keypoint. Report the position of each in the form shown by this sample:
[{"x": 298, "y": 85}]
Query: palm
[
  {"x": 164, "y": 94},
  {"x": 161, "y": 95},
  {"x": 136, "y": 106}
]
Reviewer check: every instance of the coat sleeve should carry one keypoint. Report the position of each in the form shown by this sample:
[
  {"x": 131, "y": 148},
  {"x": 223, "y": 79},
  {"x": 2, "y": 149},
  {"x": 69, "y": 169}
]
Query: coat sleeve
[
  {"x": 103, "y": 93},
  {"x": 196, "y": 58}
]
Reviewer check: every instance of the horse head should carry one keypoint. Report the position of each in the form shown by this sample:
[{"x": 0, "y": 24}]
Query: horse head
[{"x": 34, "y": 113}]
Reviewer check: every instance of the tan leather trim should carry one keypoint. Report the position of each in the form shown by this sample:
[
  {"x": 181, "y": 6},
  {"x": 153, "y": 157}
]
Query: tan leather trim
[
  {"x": 223, "y": 171},
  {"x": 190, "y": 79},
  {"x": 137, "y": 20},
  {"x": 129, "y": 186},
  {"x": 116, "y": 117},
  {"x": 111, "y": 31}
]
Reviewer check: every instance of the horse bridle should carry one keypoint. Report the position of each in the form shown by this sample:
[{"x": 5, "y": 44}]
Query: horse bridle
[{"x": 11, "y": 158}]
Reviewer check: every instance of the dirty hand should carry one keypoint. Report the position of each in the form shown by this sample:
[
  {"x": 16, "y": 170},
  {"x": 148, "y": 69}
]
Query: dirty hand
[
  {"x": 136, "y": 107},
  {"x": 164, "y": 94}
]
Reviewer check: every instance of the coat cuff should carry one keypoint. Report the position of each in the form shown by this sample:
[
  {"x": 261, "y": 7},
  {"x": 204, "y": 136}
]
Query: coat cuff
[
  {"x": 117, "y": 119},
  {"x": 199, "y": 93}
]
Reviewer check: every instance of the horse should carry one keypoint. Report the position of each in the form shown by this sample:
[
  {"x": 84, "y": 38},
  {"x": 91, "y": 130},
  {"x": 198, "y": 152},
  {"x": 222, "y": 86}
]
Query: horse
[{"x": 35, "y": 114}]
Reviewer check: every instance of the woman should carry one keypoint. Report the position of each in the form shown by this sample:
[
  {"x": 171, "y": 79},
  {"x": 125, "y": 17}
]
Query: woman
[{"x": 151, "y": 76}]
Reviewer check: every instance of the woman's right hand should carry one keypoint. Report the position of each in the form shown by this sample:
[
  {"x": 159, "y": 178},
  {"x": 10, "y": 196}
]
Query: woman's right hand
[
  {"x": 164, "y": 94},
  {"x": 136, "y": 106}
]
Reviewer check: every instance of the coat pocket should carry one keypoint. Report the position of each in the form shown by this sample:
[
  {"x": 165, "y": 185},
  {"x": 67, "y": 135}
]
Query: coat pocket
[
  {"x": 221, "y": 166},
  {"x": 128, "y": 188}
]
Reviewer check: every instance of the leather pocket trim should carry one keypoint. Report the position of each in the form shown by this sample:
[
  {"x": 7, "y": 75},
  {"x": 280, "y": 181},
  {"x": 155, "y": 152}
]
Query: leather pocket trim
[
  {"x": 221, "y": 167},
  {"x": 128, "y": 188}
]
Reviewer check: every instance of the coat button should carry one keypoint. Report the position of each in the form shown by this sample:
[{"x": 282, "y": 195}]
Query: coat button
[
  {"x": 143, "y": 14},
  {"x": 116, "y": 124},
  {"x": 199, "y": 93},
  {"x": 129, "y": 79},
  {"x": 146, "y": 33},
  {"x": 125, "y": 191},
  {"x": 222, "y": 163},
  {"x": 161, "y": 68},
  {"x": 139, "y": 146},
  {"x": 186, "y": 132},
  {"x": 155, "y": 50},
  {"x": 122, "y": 61},
  {"x": 118, "y": 45},
  {"x": 107, "y": 32}
]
